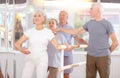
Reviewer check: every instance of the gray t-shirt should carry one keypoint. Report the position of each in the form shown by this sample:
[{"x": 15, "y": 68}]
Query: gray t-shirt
[
  {"x": 99, "y": 32},
  {"x": 54, "y": 55}
]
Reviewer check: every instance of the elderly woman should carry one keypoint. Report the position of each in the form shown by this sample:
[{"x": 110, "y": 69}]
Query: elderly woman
[{"x": 38, "y": 38}]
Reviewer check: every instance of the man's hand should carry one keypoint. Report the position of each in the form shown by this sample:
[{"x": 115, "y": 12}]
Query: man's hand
[{"x": 71, "y": 47}]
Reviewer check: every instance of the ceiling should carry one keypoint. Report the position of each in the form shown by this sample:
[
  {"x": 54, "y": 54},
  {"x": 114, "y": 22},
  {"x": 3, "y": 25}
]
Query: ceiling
[
  {"x": 11, "y": 1},
  {"x": 108, "y": 1},
  {"x": 24, "y": 1}
]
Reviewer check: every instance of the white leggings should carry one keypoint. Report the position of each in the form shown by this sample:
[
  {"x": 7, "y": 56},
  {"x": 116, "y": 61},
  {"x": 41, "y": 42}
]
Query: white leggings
[{"x": 39, "y": 65}]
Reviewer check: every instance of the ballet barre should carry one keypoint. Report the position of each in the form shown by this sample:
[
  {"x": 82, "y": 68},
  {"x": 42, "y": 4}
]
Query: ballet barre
[
  {"x": 83, "y": 46},
  {"x": 70, "y": 66},
  {"x": 62, "y": 67}
]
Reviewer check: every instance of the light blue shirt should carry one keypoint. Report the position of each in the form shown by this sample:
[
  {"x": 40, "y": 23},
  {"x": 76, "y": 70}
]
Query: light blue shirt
[
  {"x": 54, "y": 55},
  {"x": 68, "y": 38}
]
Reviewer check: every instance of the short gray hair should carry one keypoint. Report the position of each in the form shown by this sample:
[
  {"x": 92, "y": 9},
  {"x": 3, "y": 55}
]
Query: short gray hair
[
  {"x": 99, "y": 5},
  {"x": 42, "y": 12}
]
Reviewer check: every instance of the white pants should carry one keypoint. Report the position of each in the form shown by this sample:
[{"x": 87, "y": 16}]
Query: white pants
[{"x": 38, "y": 64}]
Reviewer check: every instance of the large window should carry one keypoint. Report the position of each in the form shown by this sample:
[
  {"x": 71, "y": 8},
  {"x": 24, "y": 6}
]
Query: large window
[{"x": 79, "y": 20}]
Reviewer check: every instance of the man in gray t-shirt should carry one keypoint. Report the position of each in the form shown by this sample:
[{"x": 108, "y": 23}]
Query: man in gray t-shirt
[
  {"x": 99, "y": 32},
  {"x": 99, "y": 49},
  {"x": 98, "y": 56}
]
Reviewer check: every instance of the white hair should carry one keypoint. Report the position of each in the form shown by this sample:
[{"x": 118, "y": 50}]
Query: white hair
[
  {"x": 100, "y": 6},
  {"x": 42, "y": 12}
]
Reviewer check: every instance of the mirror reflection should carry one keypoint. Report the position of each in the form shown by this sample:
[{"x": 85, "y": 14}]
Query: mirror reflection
[{"x": 12, "y": 26}]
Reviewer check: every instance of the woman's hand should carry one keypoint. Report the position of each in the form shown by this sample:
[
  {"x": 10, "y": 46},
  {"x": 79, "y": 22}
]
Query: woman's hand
[{"x": 25, "y": 51}]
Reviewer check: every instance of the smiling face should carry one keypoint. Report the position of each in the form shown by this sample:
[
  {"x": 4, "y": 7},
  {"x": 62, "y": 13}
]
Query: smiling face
[
  {"x": 63, "y": 17},
  {"x": 95, "y": 10},
  {"x": 38, "y": 18},
  {"x": 52, "y": 24}
]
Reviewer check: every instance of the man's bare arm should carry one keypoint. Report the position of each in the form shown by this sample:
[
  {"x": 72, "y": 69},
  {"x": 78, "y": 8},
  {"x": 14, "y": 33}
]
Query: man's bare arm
[
  {"x": 80, "y": 40},
  {"x": 115, "y": 42},
  {"x": 72, "y": 31}
]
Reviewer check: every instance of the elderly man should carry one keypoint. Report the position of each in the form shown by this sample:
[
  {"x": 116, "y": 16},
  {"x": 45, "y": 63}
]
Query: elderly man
[
  {"x": 99, "y": 49},
  {"x": 68, "y": 56}
]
